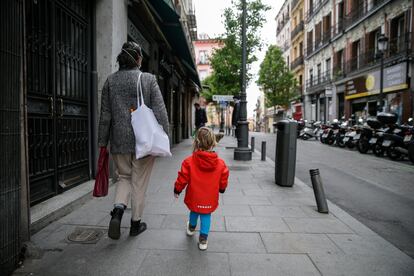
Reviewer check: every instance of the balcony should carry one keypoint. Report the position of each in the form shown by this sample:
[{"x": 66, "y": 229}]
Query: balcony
[
  {"x": 398, "y": 48},
  {"x": 309, "y": 49},
  {"x": 318, "y": 82},
  {"x": 296, "y": 63},
  {"x": 320, "y": 42},
  {"x": 282, "y": 24},
  {"x": 359, "y": 12},
  {"x": 338, "y": 29},
  {"x": 297, "y": 30},
  {"x": 317, "y": 5}
]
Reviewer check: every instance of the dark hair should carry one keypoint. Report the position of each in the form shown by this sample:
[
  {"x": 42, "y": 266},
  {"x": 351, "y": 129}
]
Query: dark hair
[{"x": 129, "y": 55}]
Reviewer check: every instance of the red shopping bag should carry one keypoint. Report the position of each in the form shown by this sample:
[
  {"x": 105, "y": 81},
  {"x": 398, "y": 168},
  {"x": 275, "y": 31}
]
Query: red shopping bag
[{"x": 102, "y": 176}]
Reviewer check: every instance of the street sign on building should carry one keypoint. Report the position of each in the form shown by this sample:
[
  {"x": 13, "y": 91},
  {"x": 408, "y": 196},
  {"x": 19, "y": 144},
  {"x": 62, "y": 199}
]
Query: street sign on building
[{"x": 223, "y": 98}]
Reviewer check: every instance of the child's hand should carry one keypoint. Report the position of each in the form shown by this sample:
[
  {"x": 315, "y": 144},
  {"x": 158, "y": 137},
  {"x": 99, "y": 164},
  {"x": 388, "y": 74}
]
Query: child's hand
[{"x": 176, "y": 195}]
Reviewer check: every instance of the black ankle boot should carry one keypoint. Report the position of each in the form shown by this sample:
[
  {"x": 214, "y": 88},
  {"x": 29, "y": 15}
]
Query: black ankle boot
[
  {"x": 137, "y": 227},
  {"x": 114, "y": 231}
]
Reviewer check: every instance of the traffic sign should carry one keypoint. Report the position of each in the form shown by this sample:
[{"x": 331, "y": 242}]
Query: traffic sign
[{"x": 223, "y": 98}]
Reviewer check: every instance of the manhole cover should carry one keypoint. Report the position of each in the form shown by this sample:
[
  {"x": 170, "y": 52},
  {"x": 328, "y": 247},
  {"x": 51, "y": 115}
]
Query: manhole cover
[
  {"x": 85, "y": 235},
  {"x": 238, "y": 168}
]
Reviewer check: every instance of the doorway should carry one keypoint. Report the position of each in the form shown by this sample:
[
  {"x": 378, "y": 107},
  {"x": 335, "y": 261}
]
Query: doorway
[{"x": 58, "y": 90}]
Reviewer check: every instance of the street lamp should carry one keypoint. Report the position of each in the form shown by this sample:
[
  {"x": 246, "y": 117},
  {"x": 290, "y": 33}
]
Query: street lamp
[
  {"x": 382, "y": 48},
  {"x": 242, "y": 152}
]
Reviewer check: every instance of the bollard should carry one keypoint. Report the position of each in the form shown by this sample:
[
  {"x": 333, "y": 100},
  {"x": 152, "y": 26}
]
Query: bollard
[
  {"x": 318, "y": 191},
  {"x": 263, "y": 150},
  {"x": 252, "y": 143}
]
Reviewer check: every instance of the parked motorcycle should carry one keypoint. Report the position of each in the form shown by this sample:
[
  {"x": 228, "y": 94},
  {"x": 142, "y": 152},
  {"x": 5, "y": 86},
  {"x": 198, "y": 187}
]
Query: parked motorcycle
[
  {"x": 384, "y": 135},
  {"x": 367, "y": 132},
  {"x": 398, "y": 142},
  {"x": 311, "y": 131}
]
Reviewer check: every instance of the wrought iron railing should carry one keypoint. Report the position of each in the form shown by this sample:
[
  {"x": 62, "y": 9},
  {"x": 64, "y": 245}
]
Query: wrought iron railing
[
  {"x": 398, "y": 47},
  {"x": 317, "y": 5},
  {"x": 361, "y": 10},
  {"x": 297, "y": 30},
  {"x": 296, "y": 63},
  {"x": 322, "y": 79}
]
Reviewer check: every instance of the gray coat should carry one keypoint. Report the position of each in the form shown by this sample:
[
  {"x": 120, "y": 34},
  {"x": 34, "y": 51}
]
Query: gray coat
[{"x": 119, "y": 95}]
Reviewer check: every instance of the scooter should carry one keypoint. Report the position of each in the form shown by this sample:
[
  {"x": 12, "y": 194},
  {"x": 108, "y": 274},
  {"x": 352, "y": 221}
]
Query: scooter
[{"x": 310, "y": 132}]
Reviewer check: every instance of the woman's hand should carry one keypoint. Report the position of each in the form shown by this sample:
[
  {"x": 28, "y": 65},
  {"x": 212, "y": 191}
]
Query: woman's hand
[{"x": 176, "y": 195}]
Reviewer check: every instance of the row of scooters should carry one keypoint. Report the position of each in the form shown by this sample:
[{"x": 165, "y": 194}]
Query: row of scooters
[{"x": 380, "y": 135}]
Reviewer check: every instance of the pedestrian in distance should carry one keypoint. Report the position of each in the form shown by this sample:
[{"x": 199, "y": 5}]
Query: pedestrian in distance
[
  {"x": 204, "y": 175},
  {"x": 200, "y": 116},
  {"x": 119, "y": 100}
]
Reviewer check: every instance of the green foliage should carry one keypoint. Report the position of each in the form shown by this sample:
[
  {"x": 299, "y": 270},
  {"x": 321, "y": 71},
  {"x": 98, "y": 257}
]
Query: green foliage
[
  {"x": 208, "y": 89},
  {"x": 277, "y": 82},
  {"x": 226, "y": 61}
]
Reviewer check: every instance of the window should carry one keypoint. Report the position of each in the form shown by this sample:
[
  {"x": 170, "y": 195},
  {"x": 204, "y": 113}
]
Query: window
[
  {"x": 202, "y": 55},
  {"x": 328, "y": 68},
  {"x": 318, "y": 76},
  {"x": 203, "y": 74},
  {"x": 311, "y": 76}
]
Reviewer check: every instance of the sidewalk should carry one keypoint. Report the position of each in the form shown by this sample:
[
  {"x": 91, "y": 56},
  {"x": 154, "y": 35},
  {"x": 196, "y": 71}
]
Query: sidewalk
[{"x": 258, "y": 229}]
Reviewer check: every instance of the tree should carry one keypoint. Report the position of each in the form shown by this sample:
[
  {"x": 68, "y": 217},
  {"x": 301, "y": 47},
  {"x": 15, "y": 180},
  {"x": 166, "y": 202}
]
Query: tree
[
  {"x": 277, "y": 82},
  {"x": 226, "y": 61}
]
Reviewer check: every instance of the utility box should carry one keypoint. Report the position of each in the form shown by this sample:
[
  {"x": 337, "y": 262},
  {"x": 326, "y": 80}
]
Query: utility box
[{"x": 285, "y": 153}]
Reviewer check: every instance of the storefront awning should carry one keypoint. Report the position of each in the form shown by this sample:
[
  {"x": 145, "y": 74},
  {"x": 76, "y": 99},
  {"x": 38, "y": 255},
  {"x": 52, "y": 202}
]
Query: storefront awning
[{"x": 173, "y": 31}]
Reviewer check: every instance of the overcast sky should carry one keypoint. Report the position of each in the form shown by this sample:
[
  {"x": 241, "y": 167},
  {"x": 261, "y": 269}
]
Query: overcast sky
[{"x": 209, "y": 20}]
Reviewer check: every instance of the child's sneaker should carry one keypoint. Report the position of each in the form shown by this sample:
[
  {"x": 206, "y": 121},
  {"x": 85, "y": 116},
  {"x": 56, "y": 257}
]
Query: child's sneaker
[
  {"x": 202, "y": 243},
  {"x": 190, "y": 229}
]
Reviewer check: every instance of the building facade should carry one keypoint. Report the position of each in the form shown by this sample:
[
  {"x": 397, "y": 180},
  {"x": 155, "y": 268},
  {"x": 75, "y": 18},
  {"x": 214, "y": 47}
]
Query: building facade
[
  {"x": 297, "y": 64},
  {"x": 283, "y": 23},
  {"x": 342, "y": 63},
  {"x": 204, "y": 48},
  {"x": 58, "y": 55}
]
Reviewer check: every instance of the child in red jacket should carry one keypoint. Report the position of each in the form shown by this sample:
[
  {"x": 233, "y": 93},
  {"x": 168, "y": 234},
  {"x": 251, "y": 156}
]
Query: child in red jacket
[{"x": 205, "y": 175}]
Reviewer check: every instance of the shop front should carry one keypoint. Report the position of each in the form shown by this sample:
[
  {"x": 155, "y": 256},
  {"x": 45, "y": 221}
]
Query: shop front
[{"x": 362, "y": 93}]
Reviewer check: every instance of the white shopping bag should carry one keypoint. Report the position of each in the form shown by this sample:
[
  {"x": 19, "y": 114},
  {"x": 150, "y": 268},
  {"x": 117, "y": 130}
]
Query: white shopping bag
[{"x": 150, "y": 137}]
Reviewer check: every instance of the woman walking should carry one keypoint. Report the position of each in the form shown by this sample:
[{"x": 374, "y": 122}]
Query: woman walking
[{"x": 119, "y": 99}]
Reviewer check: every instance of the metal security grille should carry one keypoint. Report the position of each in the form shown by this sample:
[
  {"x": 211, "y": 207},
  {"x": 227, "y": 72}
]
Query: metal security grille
[
  {"x": 57, "y": 86},
  {"x": 10, "y": 65}
]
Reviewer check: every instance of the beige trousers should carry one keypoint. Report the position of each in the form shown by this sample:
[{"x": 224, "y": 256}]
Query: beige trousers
[{"x": 134, "y": 176}]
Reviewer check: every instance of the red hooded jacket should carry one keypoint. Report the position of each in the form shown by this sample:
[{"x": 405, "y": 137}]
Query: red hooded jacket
[{"x": 205, "y": 175}]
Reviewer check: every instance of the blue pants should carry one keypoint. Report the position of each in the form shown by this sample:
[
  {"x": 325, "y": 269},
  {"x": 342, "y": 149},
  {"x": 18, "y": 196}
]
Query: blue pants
[{"x": 205, "y": 220}]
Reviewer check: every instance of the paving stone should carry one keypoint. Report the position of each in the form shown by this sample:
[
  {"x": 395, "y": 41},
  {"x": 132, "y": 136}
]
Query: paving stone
[
  {"x": 154, "y": 208},
  {"x": 255, "y": 224},
  {"x": 357, "y": 265},
  {"x": 364, "y": 245},
  {"x": 152, "y": 221},
  {"x": 261, "y": 192},
  {"x": 180, "y": 222},
  {"x": 271, "y": 264},
  {"x": 235, "y": 242},
  {"x": 317, "y": 225},
  {"x": 290, "y": 200},
  {"x": 278, "y": 211},
  {"x": 167, "y": 239},
  {"x": 107, "y": 258},
  {"x": 185, "y": 263},
  {"x": 312, "y": 212},
  {"x": 233, "y": 210},
  {"x": 245, "y": 200},
  {"x": 299, "y": 243}
]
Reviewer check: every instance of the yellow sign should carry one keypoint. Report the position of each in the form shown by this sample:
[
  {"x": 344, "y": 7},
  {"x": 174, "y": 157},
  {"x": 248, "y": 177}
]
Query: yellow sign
[{"x": 370, "y": 82}]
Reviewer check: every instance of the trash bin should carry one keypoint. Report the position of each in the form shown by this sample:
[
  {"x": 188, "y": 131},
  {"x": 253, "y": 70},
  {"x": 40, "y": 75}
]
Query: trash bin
[{"x": 285, "y": 153}]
